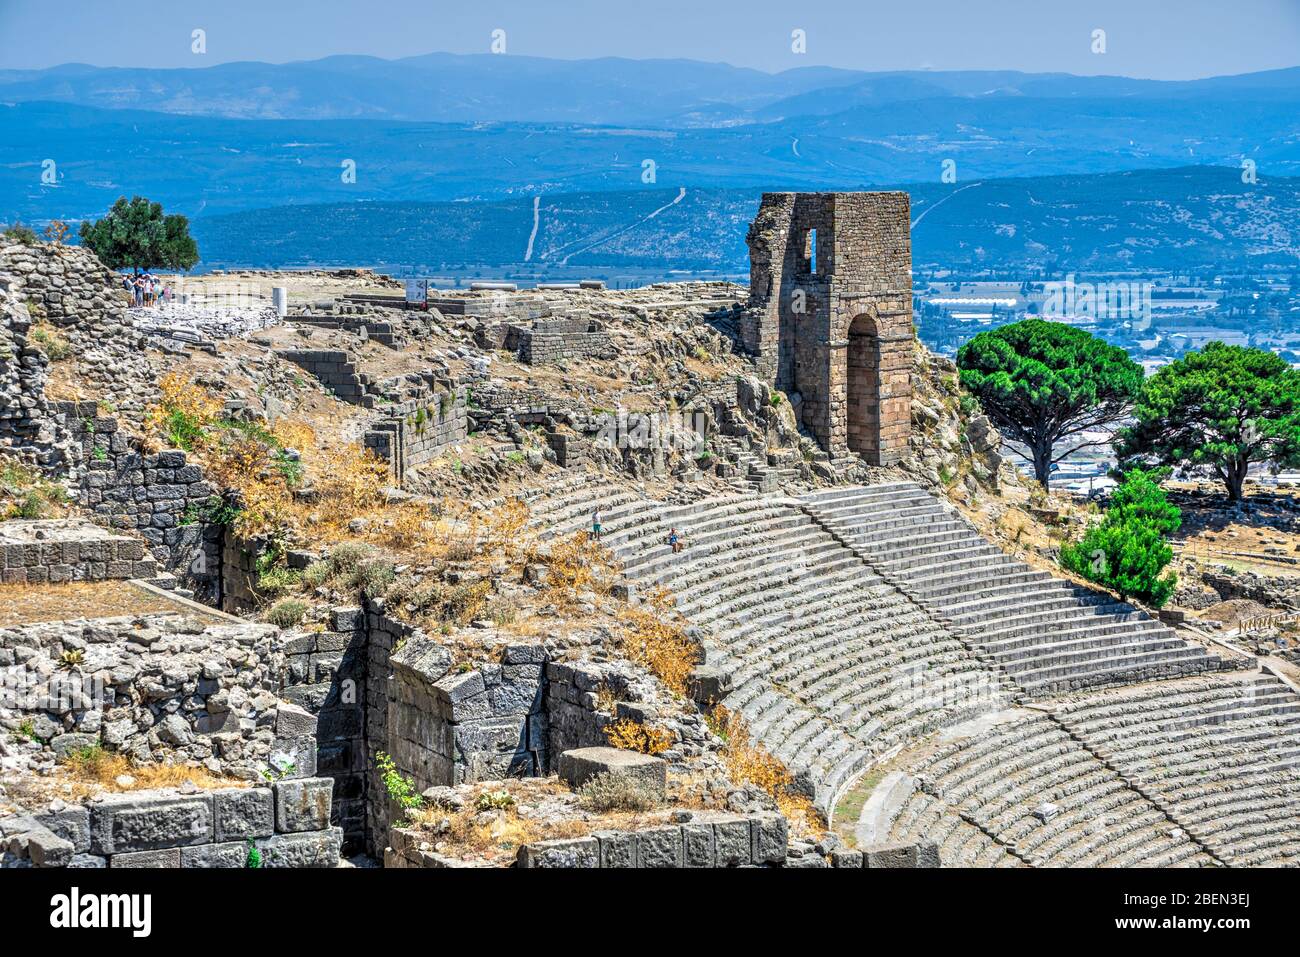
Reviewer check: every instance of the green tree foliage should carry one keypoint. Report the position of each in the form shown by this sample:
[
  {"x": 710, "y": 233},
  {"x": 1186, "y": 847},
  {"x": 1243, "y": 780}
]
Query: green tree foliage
[
  {"x": 137, "y": 235},
  {"x": 1042, "y": 383},
  {"x": 1139, "y": 497},
  {"x": 1219, "y": 409},
  {"x": 1127, "y": 551}
]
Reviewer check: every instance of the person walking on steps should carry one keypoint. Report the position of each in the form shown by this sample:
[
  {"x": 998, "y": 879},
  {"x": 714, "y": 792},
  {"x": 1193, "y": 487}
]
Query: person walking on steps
[{"x": 596, "y": 527}]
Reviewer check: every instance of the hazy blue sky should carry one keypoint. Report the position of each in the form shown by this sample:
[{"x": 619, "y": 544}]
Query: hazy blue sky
[{"x": 1166, "y": 39}]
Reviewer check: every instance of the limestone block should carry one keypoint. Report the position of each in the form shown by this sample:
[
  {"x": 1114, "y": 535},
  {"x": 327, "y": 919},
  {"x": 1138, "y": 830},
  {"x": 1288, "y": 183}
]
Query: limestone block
[
  {"x": 243, "y": 813},
  {"x": 167, "y": 857},
  {"x": 577, "y": 852},
  {"x": 732, "y": 842},
  {"x": 143, "y": 822},
  {"x": 580, "y": 765},
  {"x": 768, "y": 833},
  {"x": 303, "y": 805},
  {"x": 659, "y": 847},
  {"x": 617, "y": 848},
  {"x": 309, "y": 849}
]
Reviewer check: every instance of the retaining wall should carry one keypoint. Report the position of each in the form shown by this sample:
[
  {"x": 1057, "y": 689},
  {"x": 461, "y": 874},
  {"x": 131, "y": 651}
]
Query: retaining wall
[{"x": 288, "y": 824}]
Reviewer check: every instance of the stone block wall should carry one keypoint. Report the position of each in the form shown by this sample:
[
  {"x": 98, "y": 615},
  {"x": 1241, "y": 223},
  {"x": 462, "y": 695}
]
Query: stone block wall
[
  {"x": 449, "y": 727},
  {"x": 160, "y": 496},
  {"x": 54, "y": 551},
  {"x": 550, "y": 340},
  {"x": 157, "y": 688},
  {"x": 326, "y": 673},
  {"x": 573, "y": 717},
  {"x": 337, "y": 371},
  {"x": 27, "y": 428},
  {"x": 419, "y": 431},
  {"x": 287, "y": 823},
  {"x": 708, "y": 839}
]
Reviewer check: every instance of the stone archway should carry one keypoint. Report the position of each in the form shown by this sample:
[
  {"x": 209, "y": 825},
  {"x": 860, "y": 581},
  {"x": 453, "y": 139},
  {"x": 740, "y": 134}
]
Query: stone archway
[{"x": 862, "y": 380}]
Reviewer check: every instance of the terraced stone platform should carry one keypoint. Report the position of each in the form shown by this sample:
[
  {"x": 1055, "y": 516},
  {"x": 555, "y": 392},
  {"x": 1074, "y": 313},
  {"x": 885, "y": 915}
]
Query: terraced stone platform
[
  {"x": 1051, "y": 635},
  {"x": 1221, "y": 754},
  {"x": 1020, "y": 789}
]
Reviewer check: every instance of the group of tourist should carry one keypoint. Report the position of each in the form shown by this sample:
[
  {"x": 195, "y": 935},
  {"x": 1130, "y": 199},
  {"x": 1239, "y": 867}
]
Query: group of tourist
[
  {"x": 146, "y": 289},
  {"x": 673, "y": 541}
]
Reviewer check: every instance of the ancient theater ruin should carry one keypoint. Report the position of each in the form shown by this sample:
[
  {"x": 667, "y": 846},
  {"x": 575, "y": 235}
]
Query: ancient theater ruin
[{"x": 688, "y": 575}]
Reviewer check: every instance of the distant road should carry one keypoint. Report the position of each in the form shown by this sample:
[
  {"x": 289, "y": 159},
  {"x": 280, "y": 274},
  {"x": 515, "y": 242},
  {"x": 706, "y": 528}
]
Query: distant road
[
  {"x": 532, "y": 237},
  {"x": 681, "y": 195},
  {"x": 926, "y": 211}
]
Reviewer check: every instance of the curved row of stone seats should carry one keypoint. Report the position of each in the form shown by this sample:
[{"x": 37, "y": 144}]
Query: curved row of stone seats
[
  {"x": 1023, "y": 781},
  {"x": 830, "y": 665},
  {"x": 1049, "y": 634},
  {"x": 921, "y": 817},
  {"x": 567, "y": 507},
  {"x": 1221, "y": 754}
]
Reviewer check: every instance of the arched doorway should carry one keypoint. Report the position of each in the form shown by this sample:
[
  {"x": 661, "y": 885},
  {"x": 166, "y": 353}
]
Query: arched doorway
[{"x": 863, "y": 382}]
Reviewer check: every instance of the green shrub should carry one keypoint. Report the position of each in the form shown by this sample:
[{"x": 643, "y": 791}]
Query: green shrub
[
  {"x": 278, "y": 580},
  {"x": 316, "y": 574},
  {"x": 287, "y": 612},
  {"x": 20, "y": 234},
  {"x": 400, "y": 788},
  {"x": 616, "y": 792},
  {"x": 1127, "y": 557},
  {"x": 1127, "y": 552},
  {"x": 51, "y": 341}
]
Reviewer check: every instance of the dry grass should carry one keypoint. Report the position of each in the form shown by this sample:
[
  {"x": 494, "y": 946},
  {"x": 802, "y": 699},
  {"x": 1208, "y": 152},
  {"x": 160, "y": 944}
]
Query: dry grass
[
  {"x": 654, "y": 639},
  {"x": 749, "y": 763},
  {"x": 95, "y": 770},
  {"x": 22, "y": 604}
]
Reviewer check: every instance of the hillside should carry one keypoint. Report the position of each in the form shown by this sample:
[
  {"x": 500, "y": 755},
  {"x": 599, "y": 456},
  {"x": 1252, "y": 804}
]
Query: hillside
[
  {"x": 206, "y": 164},
  {"x": 1166, "y": 219}
]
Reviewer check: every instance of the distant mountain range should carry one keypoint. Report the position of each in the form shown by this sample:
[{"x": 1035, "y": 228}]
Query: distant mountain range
[
  {"x": 450, "y": 88},
  {"x": 1153, "y": 220}
]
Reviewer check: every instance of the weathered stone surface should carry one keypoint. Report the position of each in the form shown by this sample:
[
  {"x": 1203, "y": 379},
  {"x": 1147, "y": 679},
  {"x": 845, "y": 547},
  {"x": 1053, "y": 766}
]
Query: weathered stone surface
[
  {"x": 733, "y": 842},
  {"x": 577, "y": 852},
  {"x": 243, "y": 813},
  {"x": 72, "y": 823},
  {"x": 228, "y": 855},
  {"x": 914, "y": 854},
  {"x": 698, "y": 845},
  {"x": 659, "y": 847},
  {"x": 167, "y": 857},
  {"x": 303, "y": 805},
  {"x": 580, "y": 765},
  {"x": 617, "y": 848},
  {"x": 143, "y": 821},
  {"x": 768, "y": 834},
  {"x": 319, "y": 849}
]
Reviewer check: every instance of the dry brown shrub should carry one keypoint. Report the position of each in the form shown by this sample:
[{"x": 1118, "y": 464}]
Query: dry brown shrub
[
  {"x": 654, "y": 639},
  {"x": 750, "y": 763},
  {"x": 630, "y": 735}
]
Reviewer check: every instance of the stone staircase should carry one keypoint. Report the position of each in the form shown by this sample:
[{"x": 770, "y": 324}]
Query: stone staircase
[
  {"x": 1050, "y": 635},
  {"x": 1221, "y": 754},
  {"x": 1023, "y": 786}
]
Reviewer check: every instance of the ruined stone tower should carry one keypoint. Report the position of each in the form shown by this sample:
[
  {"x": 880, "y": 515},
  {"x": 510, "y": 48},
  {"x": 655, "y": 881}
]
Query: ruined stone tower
[{"x": 830, "y": 315}]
